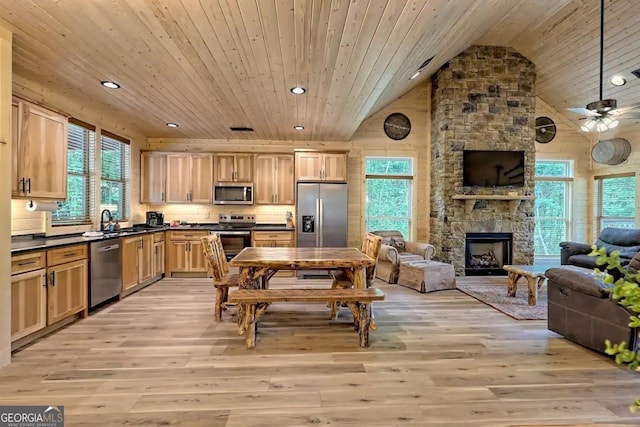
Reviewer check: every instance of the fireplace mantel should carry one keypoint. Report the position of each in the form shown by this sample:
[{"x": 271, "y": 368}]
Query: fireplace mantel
[{"x": 471, "y": 199}]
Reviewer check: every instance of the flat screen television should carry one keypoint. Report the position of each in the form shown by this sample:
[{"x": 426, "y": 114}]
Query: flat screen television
[{"x": 492, "y": 168}]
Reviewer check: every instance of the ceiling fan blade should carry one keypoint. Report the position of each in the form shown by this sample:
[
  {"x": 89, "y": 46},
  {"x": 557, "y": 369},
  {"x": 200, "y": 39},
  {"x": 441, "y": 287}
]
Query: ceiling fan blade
[
  {"x": 626, "y": 108},
  {"x": 561, "y": 123},
  {"x": 584, "y": 112}
]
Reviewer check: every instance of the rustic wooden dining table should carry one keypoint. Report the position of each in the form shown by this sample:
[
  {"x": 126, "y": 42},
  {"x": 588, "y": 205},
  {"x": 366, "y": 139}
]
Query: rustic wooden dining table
[{"x": 258, "y": 265}]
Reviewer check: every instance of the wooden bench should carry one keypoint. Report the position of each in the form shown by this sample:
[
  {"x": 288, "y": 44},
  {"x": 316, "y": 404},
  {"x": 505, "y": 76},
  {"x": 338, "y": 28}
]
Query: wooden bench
[{"x": 253, "y": 303}]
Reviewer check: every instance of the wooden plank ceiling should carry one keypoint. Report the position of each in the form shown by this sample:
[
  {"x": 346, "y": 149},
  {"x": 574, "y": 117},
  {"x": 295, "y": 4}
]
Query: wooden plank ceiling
[{"x": 212, "y": 64}]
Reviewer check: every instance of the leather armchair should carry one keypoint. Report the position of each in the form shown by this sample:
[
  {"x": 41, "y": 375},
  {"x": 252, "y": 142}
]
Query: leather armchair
[{"x": 395, "y": 250}]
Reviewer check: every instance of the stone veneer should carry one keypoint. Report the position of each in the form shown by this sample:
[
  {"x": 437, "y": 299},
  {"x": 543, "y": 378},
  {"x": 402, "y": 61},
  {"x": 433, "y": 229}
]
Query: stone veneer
[{"x": 483, "y": 99}]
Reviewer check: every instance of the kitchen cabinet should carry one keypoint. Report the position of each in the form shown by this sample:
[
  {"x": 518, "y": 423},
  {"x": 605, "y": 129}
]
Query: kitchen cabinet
[
  {"x": 274, "y": 179},
  {"x": 273, "y": 239},
  {"x": 152, "y": 177},
  {"x": 184, "y": 253},
  {"x": 67, "y": 270},
  {"x": 234, "y": 168},
  {"x": 39, "y": 167},
  {"x": 28, "y": 294},
  {"x": 189, "y": 178},
  {"x": 320, "y": 166},
  {"x": 137, "y": 260},
  {"x": 158, "y": 254}
]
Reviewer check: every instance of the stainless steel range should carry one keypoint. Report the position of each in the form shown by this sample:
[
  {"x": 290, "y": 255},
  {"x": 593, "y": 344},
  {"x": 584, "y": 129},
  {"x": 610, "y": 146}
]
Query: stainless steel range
[{"x": 235, "y": 232}]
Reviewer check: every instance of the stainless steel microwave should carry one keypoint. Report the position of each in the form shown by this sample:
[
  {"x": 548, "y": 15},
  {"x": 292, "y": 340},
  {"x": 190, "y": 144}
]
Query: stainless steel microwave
[{"x": 233, "y": 193}]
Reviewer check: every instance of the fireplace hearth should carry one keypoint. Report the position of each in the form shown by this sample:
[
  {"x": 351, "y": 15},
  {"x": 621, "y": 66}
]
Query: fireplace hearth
[{"x": 486, "y": 253}]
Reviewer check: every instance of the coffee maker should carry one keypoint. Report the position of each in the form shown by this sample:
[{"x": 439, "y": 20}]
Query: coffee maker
[{"x": 155, "y": 219}]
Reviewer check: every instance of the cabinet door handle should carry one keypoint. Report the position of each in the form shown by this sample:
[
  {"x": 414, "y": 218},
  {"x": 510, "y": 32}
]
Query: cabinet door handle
[
  {"x": 53, "y": 279},
  {"x": 162, "y": 196},
  {"x": 22, "y": 187},
  {"x": 69, "y": 254},
  {"x": 277, "y": 198},
  {"x": 155, "y": 250},
  {"x": 28, "y": 185},
  {"x": 44, "y": 280},
  {"x": 22, "y": 264}
]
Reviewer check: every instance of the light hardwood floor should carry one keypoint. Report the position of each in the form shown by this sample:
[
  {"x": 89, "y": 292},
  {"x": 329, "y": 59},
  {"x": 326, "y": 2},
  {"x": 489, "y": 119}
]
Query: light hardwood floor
[{"x": 159, "y": 358}]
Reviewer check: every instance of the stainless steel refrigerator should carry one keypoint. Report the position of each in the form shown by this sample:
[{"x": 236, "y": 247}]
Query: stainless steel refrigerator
[{"x": 321, "y": 211}]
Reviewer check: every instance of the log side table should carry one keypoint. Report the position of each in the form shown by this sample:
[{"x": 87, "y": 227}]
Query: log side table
[{"x": 535, "y": 279}]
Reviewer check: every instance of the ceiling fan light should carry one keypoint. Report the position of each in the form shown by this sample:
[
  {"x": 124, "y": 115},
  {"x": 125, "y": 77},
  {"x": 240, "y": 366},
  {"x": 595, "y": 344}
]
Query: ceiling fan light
[
  {"x": 613, "y": 124},
  {"x": 601, "y": 126},
  {"x": 607, "y": 121},
  {"x": 588, "y": 125}
]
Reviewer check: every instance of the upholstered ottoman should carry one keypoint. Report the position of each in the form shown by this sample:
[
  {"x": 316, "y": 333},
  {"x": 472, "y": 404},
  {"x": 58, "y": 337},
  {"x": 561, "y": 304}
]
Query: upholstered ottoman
[{"x": 427, "y": 276}]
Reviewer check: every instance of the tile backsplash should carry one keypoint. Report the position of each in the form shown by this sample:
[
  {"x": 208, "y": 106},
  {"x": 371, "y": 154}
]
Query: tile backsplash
[
  {"x": 265, "y": 214},
  {"x": 24, "y": 221}
]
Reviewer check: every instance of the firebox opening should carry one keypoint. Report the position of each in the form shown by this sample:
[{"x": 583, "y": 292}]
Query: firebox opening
[{"x": 486, "y": 253}]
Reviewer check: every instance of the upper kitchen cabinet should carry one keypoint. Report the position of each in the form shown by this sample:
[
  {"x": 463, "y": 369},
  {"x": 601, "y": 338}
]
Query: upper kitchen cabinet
[
  {"x": 189, "y": 178},
  {"x": 320, "y": 166},
  {"x": 40, "y": 153},
  {"x": 274, "y": 179},
  {"x": 152, "y": 177},
  {"x": 234, "y": 167}
]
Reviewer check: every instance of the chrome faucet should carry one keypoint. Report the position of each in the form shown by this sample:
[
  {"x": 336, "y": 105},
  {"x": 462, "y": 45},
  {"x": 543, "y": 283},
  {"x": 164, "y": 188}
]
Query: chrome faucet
[{"x": 110, "y": 217}]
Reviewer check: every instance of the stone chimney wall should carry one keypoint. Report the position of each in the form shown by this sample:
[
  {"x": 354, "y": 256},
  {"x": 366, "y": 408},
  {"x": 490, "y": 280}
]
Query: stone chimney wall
[{"x": 483, "y": 99}]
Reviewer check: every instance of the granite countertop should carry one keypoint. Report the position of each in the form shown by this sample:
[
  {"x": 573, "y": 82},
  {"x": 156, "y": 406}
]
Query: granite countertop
[{"x": 29, "y": 243}]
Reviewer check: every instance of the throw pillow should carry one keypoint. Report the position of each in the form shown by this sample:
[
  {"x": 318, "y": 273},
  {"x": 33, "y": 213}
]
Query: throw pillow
[
  {"x": 398, "y": 243},
  {"x": 387, "y": 241}
]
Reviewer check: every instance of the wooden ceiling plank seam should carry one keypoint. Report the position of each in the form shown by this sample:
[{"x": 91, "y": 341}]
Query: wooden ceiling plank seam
[
  {"x": 302, "y": 38},
  {"x": 371, "y": 87},
  {"x": 236, "y": 73},
  {"x": 365, "y": 26},
  {"x": 58, "y": 53},
  {"x": 320, "y": 16},
  {"x": 206, "y": 66},
  {"x": 391, "y": 15},
  {"x": 273, "y": 47},
  {"x": 286, "y": 33},
  {"x": 472, "y": 25},
  {"x": 244, "y": 49},
  {"x": 182, "y": 51}
]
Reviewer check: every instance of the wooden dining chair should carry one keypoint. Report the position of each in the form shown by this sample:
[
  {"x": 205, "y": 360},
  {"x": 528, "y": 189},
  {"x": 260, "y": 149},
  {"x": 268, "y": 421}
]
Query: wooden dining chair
[
  {"x": 219, "y": 270},
  {"x": 371, "y": 245}
]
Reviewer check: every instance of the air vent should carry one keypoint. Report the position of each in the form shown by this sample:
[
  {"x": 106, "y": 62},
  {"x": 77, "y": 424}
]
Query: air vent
[
  {"x": 425, "y": 63},
  {"x": 636, "y": 73},
  {"x": 241, "y": 129}
]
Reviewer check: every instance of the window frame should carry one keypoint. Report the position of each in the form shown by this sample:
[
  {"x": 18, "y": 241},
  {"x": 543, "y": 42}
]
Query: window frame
[
  {"x": 89, "y": 153},
  {"x": 410, "y": 177},
  {"x": 598, "y": 182},
  {"x": 568, "y": 181},
  {"x": 125, "y": 174}
]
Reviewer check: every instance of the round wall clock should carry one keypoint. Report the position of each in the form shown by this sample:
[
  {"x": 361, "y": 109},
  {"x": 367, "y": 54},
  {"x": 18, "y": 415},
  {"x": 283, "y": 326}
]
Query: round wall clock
[{"x": 397, "y": 126}]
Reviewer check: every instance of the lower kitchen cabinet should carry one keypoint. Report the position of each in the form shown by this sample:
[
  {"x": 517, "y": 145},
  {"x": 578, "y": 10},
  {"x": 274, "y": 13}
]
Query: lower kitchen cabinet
[
  {"x": 28, "y": 303},
  {"x": 158, "y": 254},
  {"x": 137, "y": 260},
  {"x": 184, "y": 253},
  {"x": 67, "y": 290},
  {"x": 274, "y": 239},
  {"x": 47, "y": 287}
]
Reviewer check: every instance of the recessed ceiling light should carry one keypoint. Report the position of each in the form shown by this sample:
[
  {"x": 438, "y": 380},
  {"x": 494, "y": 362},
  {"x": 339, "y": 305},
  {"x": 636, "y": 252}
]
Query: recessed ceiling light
[
  {"x": 618, "y": 81},
  {"x": 298, "y": 127},
  {"x": 298, "y": 90},
  {"x": 417, "y": 73},
  {"x": 110, "y": 84},
  {"x": 172, "y": 125}
]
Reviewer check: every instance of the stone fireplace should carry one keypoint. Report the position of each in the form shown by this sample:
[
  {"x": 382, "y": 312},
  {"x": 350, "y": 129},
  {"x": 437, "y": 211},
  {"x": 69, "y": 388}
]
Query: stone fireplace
[{"x": 483, "y": 99}]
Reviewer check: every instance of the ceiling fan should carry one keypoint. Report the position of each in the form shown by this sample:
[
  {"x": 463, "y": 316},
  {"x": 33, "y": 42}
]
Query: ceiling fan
[{"x": 604, "y": 114}]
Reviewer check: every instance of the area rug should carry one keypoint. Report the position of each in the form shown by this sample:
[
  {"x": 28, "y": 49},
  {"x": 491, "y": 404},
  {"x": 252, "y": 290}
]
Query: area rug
[{"x": 518, "y": 308}]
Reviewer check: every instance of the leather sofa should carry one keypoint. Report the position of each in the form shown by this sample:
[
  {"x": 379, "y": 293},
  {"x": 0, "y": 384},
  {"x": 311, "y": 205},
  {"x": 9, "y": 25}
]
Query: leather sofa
[
  {"x": 394, "y": 250},
  {"x": 580, "y": 308},
  {"x": 625, "y": 240}
]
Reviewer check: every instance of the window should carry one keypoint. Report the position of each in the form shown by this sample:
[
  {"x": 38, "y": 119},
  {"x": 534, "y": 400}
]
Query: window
[
  {"x": 552, "y": 213},
  {"x": 115, "y": 155},
  {"x": 78, "y": 208},
  {"x": 388, "y": 194},
  {"x": 616, "y": 203}
]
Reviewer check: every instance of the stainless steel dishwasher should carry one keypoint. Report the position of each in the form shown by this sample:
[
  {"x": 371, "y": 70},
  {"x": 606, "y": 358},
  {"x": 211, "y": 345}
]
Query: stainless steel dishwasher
[{"x": 106, "y": 271}]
